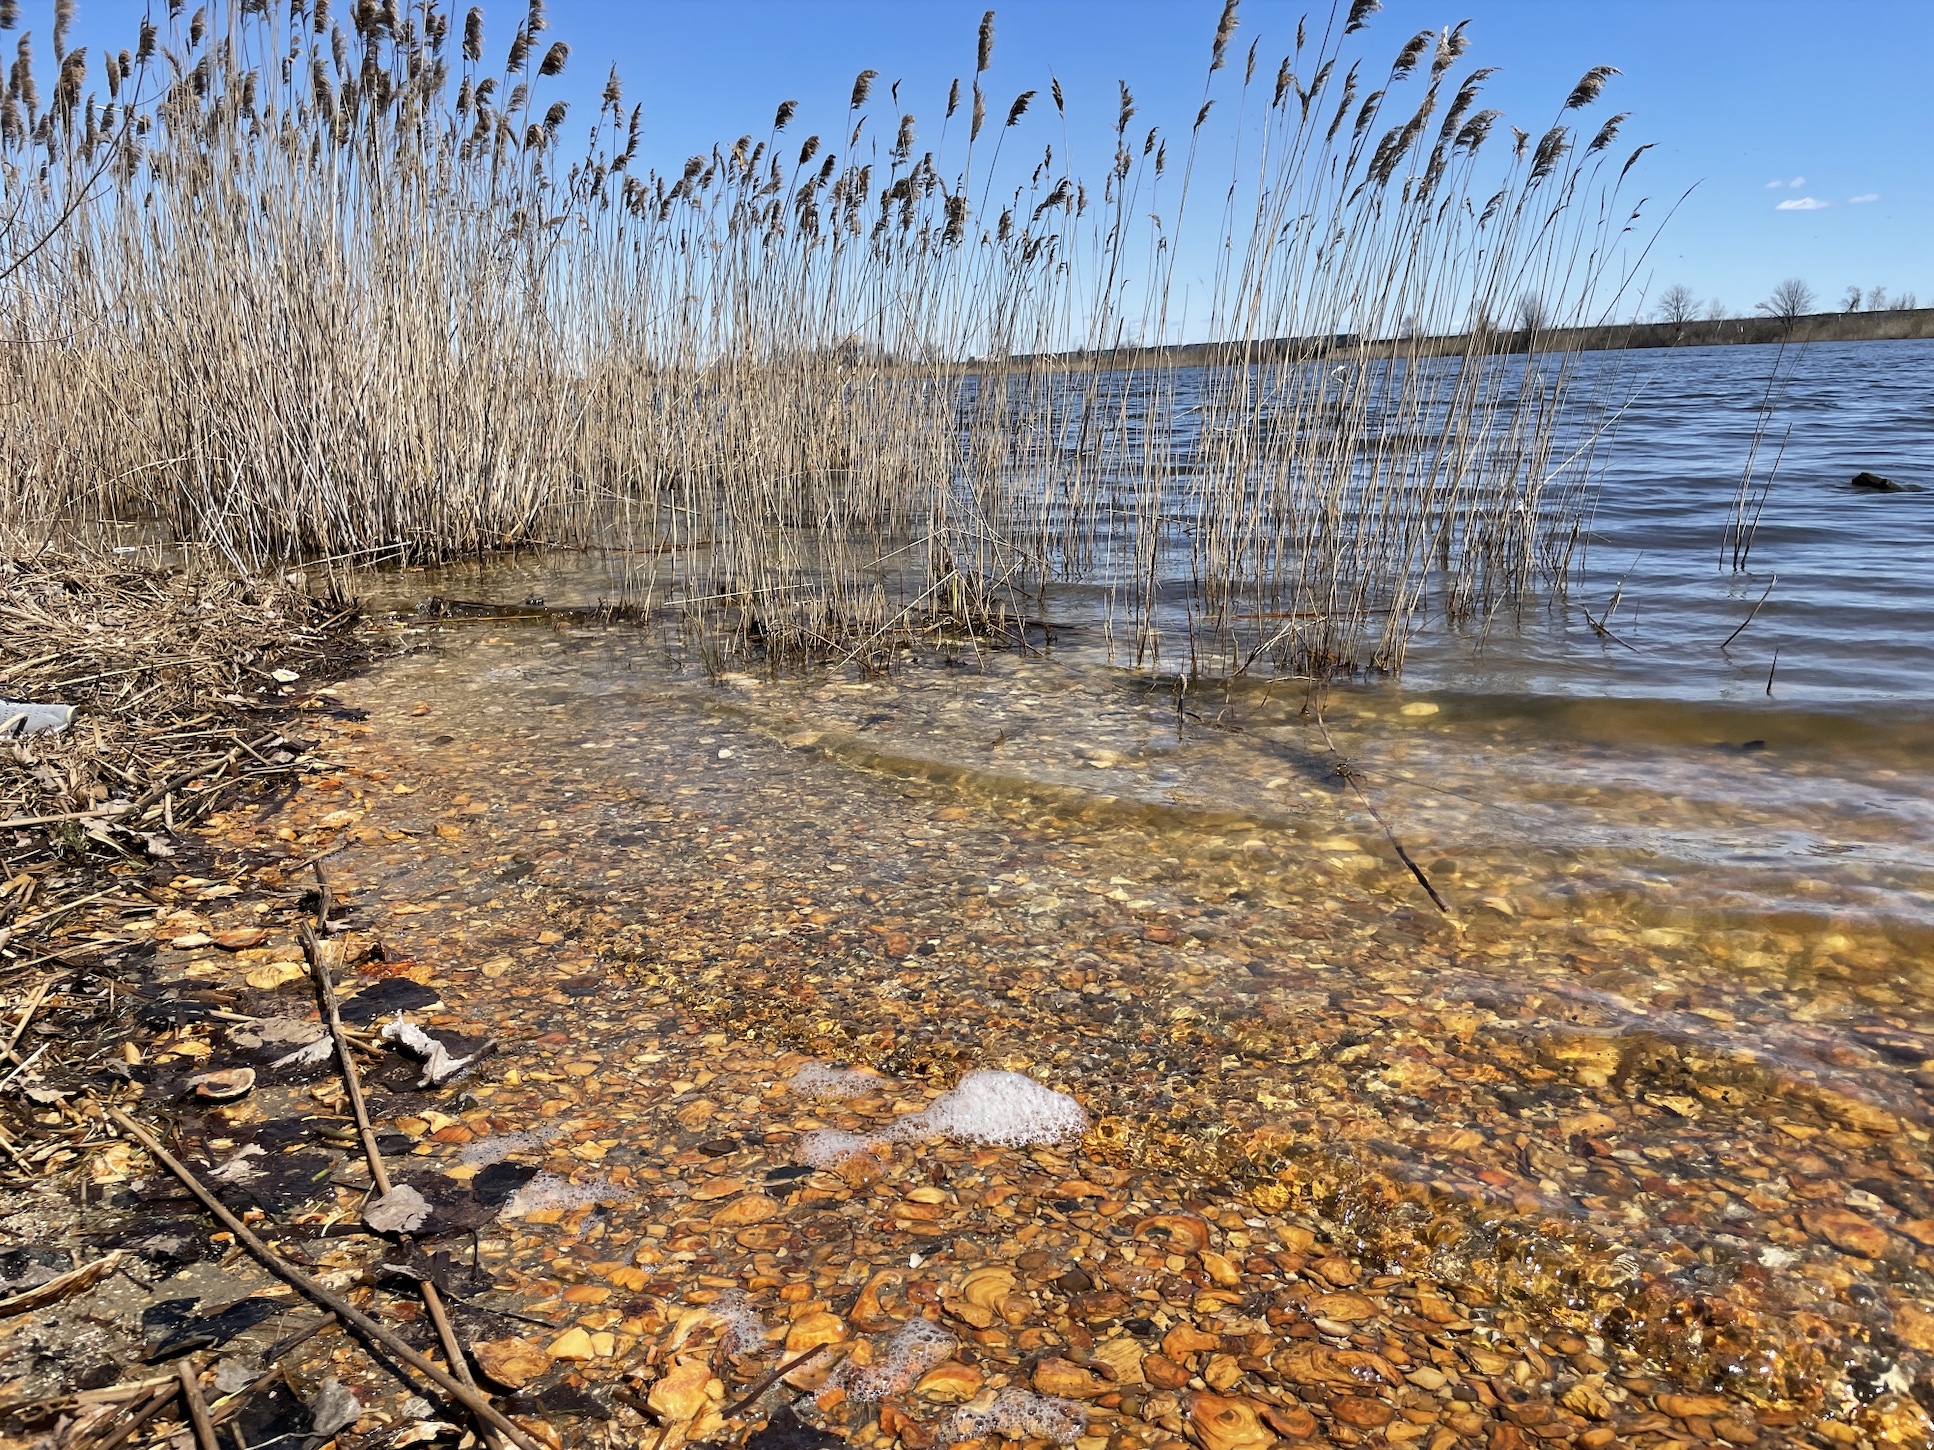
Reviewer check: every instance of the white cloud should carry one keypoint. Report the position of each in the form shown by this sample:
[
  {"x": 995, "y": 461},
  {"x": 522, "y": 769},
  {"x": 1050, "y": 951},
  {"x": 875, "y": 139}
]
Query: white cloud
[
  {"x": 1776, "y": 184},
  {"x": 1864, "y": 197},
  {"x": 1803, "y": 203}
]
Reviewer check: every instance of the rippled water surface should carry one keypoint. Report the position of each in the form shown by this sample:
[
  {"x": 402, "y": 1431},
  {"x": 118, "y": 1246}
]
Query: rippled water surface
[{"x": 1676, "y": 1017}]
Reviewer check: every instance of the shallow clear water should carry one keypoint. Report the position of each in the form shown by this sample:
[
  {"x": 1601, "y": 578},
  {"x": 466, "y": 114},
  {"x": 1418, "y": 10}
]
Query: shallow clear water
[{"x": 1680, "y": 1001}]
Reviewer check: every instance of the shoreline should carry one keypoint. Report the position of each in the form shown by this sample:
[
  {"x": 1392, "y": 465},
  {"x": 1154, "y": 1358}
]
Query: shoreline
[{"x": 1915, "y": 325}]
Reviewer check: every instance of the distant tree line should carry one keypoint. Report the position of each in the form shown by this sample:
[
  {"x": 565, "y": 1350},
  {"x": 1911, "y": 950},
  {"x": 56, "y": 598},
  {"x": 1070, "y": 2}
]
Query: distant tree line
[{"x": 1791, "y": 300}]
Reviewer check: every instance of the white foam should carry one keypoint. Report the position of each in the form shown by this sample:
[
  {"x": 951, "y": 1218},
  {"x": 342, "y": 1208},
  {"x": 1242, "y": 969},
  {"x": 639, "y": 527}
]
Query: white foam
[
  {"x": 829, "y": 1147},
  {"x": 547, "y": 1191},
  {"x": 918, "y": 1347},
  {"x": 822, "y": 1080},
  {"x": 1020, "y": 1414},
  {"x": 741, "y": 1329},
  {"x": 989, "y": 1106},
  {"x": 482, "y": 1152},
  {"x": 1007, "y": 1108}
]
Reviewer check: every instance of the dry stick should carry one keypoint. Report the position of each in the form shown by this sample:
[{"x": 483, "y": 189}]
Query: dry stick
[
  {"x": 149, "y": 1409},
  {"x": 1348, "y": 772},
  {"x": 348, "y": 1314},
  {"x": 38, "y": 996},
  {"x": 197, "y": 1406},
  {"x": 1751, "y": 612},
  {"x": 301, "y": 1336},
  {"x": 745, "y": 1401},
  {"x": 325, "y": 899},
  {"x": 379, "y": 1176},
  {"x": 112, "y": 809}
]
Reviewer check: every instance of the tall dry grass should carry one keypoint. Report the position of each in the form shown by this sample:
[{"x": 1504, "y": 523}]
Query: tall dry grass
[{"x": 297, "y": 284}]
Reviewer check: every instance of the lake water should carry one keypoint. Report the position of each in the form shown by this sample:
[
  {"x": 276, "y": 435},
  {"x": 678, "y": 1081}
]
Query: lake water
[{"x": 1666, "y": 1060}]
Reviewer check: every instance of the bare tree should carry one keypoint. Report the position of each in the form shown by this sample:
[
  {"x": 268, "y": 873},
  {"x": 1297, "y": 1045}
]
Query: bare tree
[
  {"x": 1715, "y": 311},
  {"x": 1851, "y": 302},
  {"x": 1677, "y": 305},
  {"x": 1534, "y": 314},
  {"x": 1791, "y": 301},
  {"x": 1906, "y": 302},
  {"x": 1877, "y": 299}
]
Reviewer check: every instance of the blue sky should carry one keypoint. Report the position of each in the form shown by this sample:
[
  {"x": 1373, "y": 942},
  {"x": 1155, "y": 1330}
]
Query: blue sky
[{"x": 1801, "y": 127}]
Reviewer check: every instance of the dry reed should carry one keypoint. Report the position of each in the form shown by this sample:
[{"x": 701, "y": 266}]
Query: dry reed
[{"x": 301, "y": 286}]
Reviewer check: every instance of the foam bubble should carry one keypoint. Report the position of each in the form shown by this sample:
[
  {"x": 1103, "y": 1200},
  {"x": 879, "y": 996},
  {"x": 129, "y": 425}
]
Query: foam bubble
[
  {"x": 822, "y": 1080},
  {"x": 1020, "y": 1414},
  {"x": 918, "y": 1347},
  {"x": 988, "y": 1106},
  {"x": 741, "y": 1329},
  {"x": 482, "y": 1152},
  {"x": 547, "y": 1190},
  {"x": 828, "y": 1147},
  {"x": 1007, "y": 1108}
]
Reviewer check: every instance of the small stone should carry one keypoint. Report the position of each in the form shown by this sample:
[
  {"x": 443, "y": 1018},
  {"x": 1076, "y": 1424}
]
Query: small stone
[
  {"x": 1221, "y": 1372},
  {"x": 1361, "y": 1413},
  {"x": 1218, "y": 1423},
  {"x": 1587, "y": 1400},
  {"x": 513, "y": 1363},
  {"x": 1185, "y": 1339},
  {"x": 1220, "y": 1270},
  {"x": 1186, "y": 1232},
  {"x": 810, "y": 1330},
  {"x": 950, "y": 1383},
  {"x": 240, "y": 939},
  {"x": 1065, "y": 1380},
  {"x": 741, "y": 1212},
  {"x": 1915, "y": 1328},
  {"x": 988, "y": 1288},
  {"x": 1338, "y": 1271},
  {"x": 1344, "y": 1308},
  {"x": 1292, "y": 1420},
  {"x": 573, "y": 1343},
  {"x": 275, "y": 974},
  {"x": 1163, "y": 1372},
  {"x": 1846, "y": 1231},
  {"x": 1124, "y": 1357},
  {"x": 681, "y": 1393}
]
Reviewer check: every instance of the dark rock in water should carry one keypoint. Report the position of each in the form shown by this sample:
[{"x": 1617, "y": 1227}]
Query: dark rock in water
[
  {"x": 386, "y": 998},
  {"x": 180, "y": 1330},
  {"x": 786, "y": 1431},
  {"x": 273, "y": 1414},
  {"x": 1874, "y": 483}
]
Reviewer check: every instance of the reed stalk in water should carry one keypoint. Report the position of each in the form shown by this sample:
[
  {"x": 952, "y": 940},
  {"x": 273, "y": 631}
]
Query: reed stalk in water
[{"x": 308, "y": 284}]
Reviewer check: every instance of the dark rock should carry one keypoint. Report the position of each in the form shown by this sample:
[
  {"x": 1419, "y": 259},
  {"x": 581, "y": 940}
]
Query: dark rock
[
  {"x": 786, "y": 1431},
  {"x": 181, "y": 1330},
  {"x": 1873, "y": 483},
  {"x": 386, "y": 998}
]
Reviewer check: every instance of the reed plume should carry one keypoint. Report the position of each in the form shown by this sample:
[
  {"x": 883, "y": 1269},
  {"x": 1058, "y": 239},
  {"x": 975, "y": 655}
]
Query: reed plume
[{"x": 318, "y": 288}]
